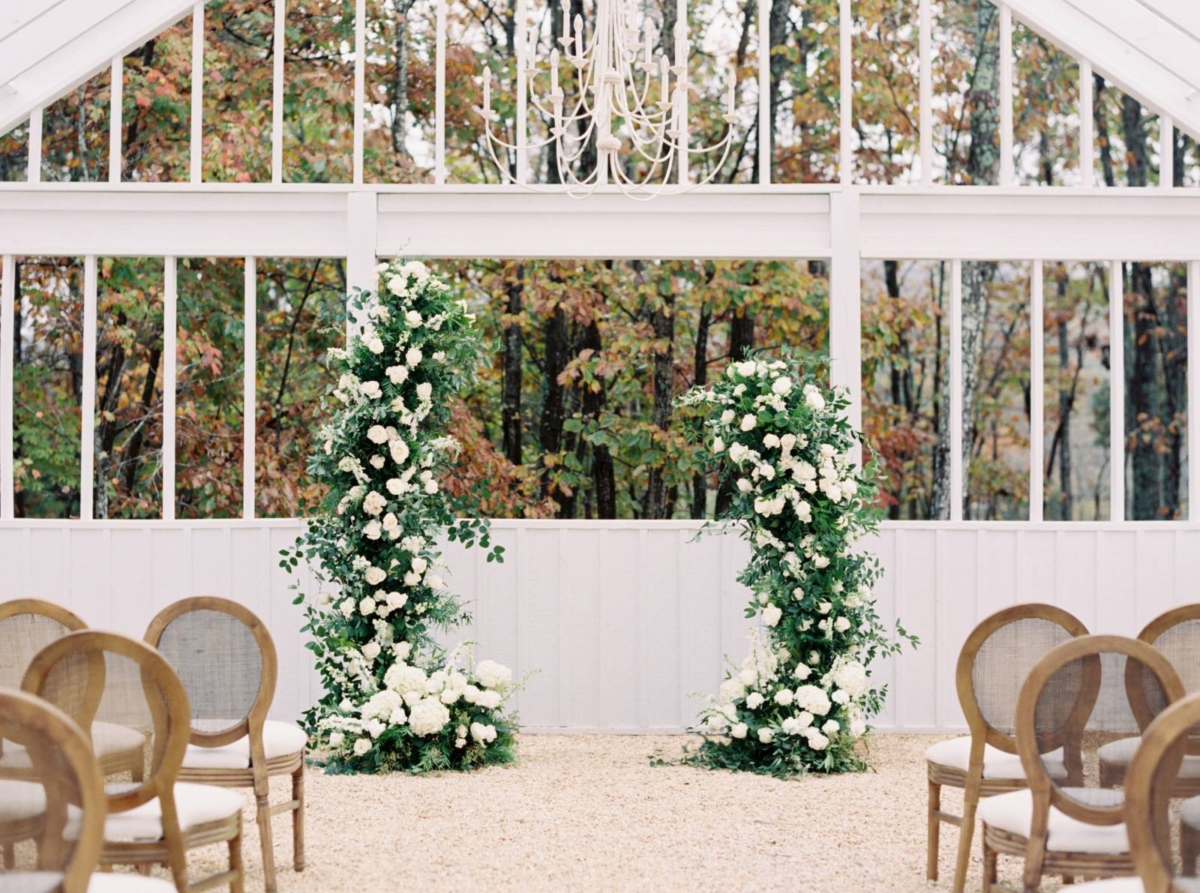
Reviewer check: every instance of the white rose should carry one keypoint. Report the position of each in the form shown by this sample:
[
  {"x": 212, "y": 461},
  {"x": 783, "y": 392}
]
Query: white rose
[
  {"x": 398, "y": 286},
  {"x": 746, "y": 368},
  {"x": 374, "y": 576},
  {"x": 399, "y": 450},
  {"x": 812, "y": 397},
  {"x": 414, "y": 356},
  {"x": 431, "y": 487},
  {"x": 396, "y": 600},
  {"x": 754, "y": 700},
  {"x": 371, "y": 650},
  {"x": 336, "y": 739},
  {"x": 412, "y": 578},
  {"x": 397, "y": 374},
  {"x": 346, "y": 607},
  {"x": 413, "y": 318},
  {"x": 831, "y": 727},
  {"x": 825, "y": 607},
  {"x": 841, "y": 624},
  {"x": 419, "y": 564},
  {"x": 361, "y": 746},
  {"x": 728, "y": 416},
  {"x": 373, "y": 530},
  {"x": 371, "y": 389},
  {"x": 782, "y": 386},
  {"x": 744, "y": 485},
  {"x": 367, "y": 606},
  {"x": 783, "y": 697},
  {"x": 718, "y": 445},
  {"x": 424, "y": 390},
  {"x": 765, "y": 736},
  {"x": 739, "y": 730},
  {"x": 817, "y": 741},
  {"x": 748, "y": 423},
  {"x": 374, "y": 345},
  {"x": 377, "y": 434},
  {"x": 374, "y": 503},
  {"x": 489, "y": 699},
  {"x": 492, "y": 674},
  {"x": 428, "y": 717},
  {"x": 771, "y": 615}
]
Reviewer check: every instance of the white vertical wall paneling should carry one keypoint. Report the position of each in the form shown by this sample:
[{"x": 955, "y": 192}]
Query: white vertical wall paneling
[
  {"x": 169, "y": 379},
  {"x": 87, "y": 448},
  {"x": 34, "y": 166},
  {"x": 8, "y": 297},
  {"x": 957, "y": 469},
  {"x": 1087, "y": 139},
  {"x": 1116, "y": 390},
  {"x": 845, "y": 304},
  {"x": 439, "y": 149},
  {"x": 249, "y": 370},
  {"x": 918, "y": 589},
  {"x": 1006, "y": 96},
  {"x": 116, "y": 126},
  {"x": 764, "y": 91},
  {"x": 196, "y": 174},
  {"x": 279, "y": 39},
  {"x": 1193, "y": 387},
  {"x": 926, "y": 91},
  {"x": 845, "y": 94},
  {"x": 1037, "y": 403},
  {"x": 1166, "y": 151},
  {"x": 1155, "y": 573},
  {"x": 360, "y": 77},
  {"x": 957, "y": 584}
]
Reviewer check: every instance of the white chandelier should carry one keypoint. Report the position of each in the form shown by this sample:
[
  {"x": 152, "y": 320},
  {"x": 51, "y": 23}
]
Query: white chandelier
[{"x": 634, "y": 105}]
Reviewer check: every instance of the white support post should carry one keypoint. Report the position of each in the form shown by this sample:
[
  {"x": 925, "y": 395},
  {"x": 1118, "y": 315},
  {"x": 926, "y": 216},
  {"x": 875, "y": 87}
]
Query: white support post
[
  {"x": 1166, "y": 151},
  {"x": 116, "y": 126},
  {"x": 439, "y": 146},
  {"x": 8, "y": 297},
  {"x": 1037, "y": 391},
  {"x": 958, "y": 469},
  {"x": 33, "y": 172},
  {"x": 1087, "y": 138},
  {"x": 360, "y": 84},
  {"x": 249, "y": 401},
  {"x": 1006, "y": 97},
  {"x": 87, "y": 449},
  {"x": 197, "y": 130},
  {"x": 926, "y": 92},
  {"x": 845, "y": 302},
  {"x": 764, "y": 92},
  {"x": 361, "y": 235},
  {"x": 1193, "y": 388},
  {"x": 277, "y": 48},
  {"x": 681, "y": 15},
  {"x": 1116, "y": 391},
  {"x": 521, "y": 125},
  {"x": 845, "y": 96},
  {"x": 169, "y": 384}
]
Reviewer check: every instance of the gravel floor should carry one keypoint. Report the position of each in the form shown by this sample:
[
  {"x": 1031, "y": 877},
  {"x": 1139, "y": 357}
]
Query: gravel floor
[{"x": 592, "y": 813}]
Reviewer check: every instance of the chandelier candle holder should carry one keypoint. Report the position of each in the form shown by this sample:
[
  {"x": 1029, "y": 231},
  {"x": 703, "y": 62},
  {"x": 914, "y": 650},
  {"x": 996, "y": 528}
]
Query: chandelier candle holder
[{"x": 632, "y": 103}]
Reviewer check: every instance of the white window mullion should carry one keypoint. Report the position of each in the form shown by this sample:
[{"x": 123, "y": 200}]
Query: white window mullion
[
  {"x": 958, "y": 469},
  {"x": 8, "y": 297},
  {"x": 926, "y": 92},
  {"x": 1166, "y": 151},
  {"x": 681, "y": 15},
  {"x": 277, "y": 48},
  {"x": 1193, "y": 388},
  {"x": 764, "y": 92},
  {"x": 170, "y": 374},
  {"x": 249, "y": 367},
  {"x": 197, "y": 128},
  {"x": 360, "y": 77},
  {"x": 845, "y": 95},
  {"x": 1116, "y": 391},
  {"x": 116, "y": 126},
  {"x": 521, "y": 128},
  {"x": 1087, "y": 138},
  {"x": 439, "y": 147},
  {"x": 33, "y": 172},
  {"x": 87, "y": 449},
  {"x": 1006, "y": 97},
  {"x": 1037, "y": 391}
]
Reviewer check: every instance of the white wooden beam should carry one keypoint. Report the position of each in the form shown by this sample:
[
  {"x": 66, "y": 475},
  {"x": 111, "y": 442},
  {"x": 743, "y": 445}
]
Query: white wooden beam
[
  {"x": 33, "y": 171},
  {"x": 926, "y": 90},
  {"x": 360, "y": 77},
  {"x": 845, "y": 95},
  {"x": 249, "y": 381},
  {"x": 764, "y": 92},
  {"x": 1006, "y": 96},
  {"x": 1037, "y": 392},
  {"x": 1166, "y": 151},
  {"x": 958, "y": 470},
  {"x": 845, "y": 304},
  {"x": 87, "y": 450},
  {"x": 439, "y": 103},
  {"x": 1087, "y": 122},
  {"x": 1116, "y": 390},
  {"x": 196, "y": 142},
  {"x": 116, "y": 112},
  {"x": 170, "y": 377},
  {"x": 277, "y": 53}
]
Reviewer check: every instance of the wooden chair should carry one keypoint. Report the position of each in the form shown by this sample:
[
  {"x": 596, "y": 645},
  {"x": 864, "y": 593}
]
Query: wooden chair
[
  {"x": 992, "y": 665},
  {"x": 1071, "y": 830},
  {"x": 156, "y": 821},
  {"x": 66, "y": 794},
  {"x": 227, "y": 662},
  {"x": 26, "y": 626},
  {"x": 1176, "y": 634}
]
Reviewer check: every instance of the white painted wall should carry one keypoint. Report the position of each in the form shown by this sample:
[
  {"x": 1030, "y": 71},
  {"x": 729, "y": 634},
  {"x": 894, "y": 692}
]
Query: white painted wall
[{"x": 624, "y": 621}]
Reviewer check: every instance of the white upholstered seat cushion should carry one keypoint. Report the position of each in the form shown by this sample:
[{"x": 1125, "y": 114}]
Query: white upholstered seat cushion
[
  {"x": 99, "y": 882},
  {"x": 1013, "y": 812},
  {"x": 107, "y": 740},
  {"x": 1189, "y": 812},
  {"x": 998, "y": 765},
  {"x": 197, "y": 804},
  {"x": 1132, "y": 885},
  {"x": 20, "y": 800},
  {"x": 1121, "y": 751},
  {"x": 279, "y": 740}
]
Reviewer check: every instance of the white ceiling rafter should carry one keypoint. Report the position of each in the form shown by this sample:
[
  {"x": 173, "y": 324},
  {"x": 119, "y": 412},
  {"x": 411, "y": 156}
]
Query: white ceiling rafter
[{"x": 48, "y": 47}]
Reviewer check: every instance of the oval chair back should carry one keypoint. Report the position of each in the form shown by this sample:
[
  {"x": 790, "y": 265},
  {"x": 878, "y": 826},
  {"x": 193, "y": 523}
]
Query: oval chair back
[
  {"x": 65, "y": 778},
  {"x": 27, "y": 625}
]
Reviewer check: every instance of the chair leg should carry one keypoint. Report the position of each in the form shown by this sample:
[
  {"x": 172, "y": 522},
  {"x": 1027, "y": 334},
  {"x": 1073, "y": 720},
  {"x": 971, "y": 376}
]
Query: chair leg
[
  {"x": 966, "y": 834},
  {"x": 989, "y": 867},
  {"x": 1189, "y": 849},
  {"x": 10, "y": 856},
  {"x": 298, "y": 817},
  {"x": 934, "y": 830},
  {"x": 268, "y": 842},
  {"x": 1035, "y": 858},
  {"x": 237, "y": 885},
  {"x": 137, "y": 766}
]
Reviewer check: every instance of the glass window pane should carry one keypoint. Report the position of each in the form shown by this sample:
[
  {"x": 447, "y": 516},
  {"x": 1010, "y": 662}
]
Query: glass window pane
[
  {"x": 966, "y": 93},
  {"x": 156, "y": 108},
  {"x": 906, "y": 398},
  {"x": 1126, "y": 135},
  {"x": 238, "y": 90},
  {"x": 1155, "y": 391},
  {"x": 995, "y": 346},
  {"x": 75, "y": 132},
  {"x": 886, "y": 92},
  {"x": 318, "y": 92},
  {"x": 1045, "y": 111},
  {"x": 805, "y": 86},
  {"x": 14, "y": 154},
  {"x": 1076, "y": 350}
]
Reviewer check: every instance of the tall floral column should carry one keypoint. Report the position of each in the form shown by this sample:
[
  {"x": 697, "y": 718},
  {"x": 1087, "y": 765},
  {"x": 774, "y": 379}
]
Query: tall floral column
[
  {"x": 394, "y": 699},
  {"x": 804, "y": 696}
]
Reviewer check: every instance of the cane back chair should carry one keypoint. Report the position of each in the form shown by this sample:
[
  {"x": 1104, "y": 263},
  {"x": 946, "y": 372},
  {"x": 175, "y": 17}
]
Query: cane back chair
[
  {"x": 64, "y": 791},
  {"x": 227, "y": 661},
  {"x": 155, "y": 821},
  {"x": 993, "y": 663},
  {"x": 1071, "y": 829}
]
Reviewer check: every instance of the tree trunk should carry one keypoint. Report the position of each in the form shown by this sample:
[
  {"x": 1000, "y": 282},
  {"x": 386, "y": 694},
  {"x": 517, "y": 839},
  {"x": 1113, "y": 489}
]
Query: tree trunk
[
  {"x": 940, "y": 502},
  {"x": 1100, "y": 123},
  {"x": 550, "y": 430},
  {"x": 511, "y": 359},
  {"x": 662, "y": 321},
  {"x": 700, "y": 479},
  {"x": 594, "y": 397},
  {"x": 400, "y": 82}
]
